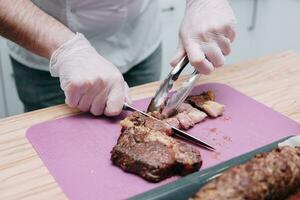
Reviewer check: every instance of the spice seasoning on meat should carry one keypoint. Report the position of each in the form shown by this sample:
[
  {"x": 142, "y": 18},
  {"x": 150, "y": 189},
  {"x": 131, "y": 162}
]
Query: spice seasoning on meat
[
  {"x": 267, "y": 176},
  {"x": 145, "y": 147}
]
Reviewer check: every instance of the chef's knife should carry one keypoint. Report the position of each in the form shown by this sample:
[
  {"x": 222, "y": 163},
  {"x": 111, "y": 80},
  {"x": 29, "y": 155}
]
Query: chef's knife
[{"x": 176, "y": 131}]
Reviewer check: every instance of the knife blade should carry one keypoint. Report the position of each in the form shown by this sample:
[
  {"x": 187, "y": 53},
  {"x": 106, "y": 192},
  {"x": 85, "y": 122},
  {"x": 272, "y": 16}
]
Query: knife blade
[{"x": 177, "y": 132}]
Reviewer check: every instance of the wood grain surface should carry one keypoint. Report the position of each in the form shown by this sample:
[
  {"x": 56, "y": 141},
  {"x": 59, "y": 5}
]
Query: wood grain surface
[{"x": 272, "y": 80}]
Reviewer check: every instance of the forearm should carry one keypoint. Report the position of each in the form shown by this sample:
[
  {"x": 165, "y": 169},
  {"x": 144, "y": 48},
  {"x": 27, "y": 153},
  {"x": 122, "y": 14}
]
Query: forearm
[{"x": 25, "y": 24}]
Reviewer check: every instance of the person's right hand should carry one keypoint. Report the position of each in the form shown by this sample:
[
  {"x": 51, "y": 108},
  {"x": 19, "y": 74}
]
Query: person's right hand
[
  {"x": 90, "y": 82},
  {"x": 206, "y": 34}
]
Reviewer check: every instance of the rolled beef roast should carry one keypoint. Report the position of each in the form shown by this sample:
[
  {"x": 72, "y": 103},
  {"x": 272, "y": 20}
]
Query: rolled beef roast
[
  {"x": 146, "y": 148},
  {"x": 268, "y": 176},
  {"x": 295, "y": 196}
]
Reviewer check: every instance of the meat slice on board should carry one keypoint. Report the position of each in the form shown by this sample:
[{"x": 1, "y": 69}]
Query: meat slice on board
[
  {"x": 148, "y": 151},
  {"x": 145, "y": 147},
  {"x": 206, "y": 102}
]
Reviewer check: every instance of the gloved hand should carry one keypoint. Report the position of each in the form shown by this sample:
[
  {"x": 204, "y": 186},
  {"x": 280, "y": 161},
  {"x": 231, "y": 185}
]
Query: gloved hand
[
  {"x": 206, "y": 33},
  {"x": 90, "y": 82}
]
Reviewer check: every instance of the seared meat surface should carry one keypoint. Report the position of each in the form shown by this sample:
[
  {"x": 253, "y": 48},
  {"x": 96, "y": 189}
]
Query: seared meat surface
[
  {"x": 295, "y": 196},
  {"x": 268, "y": 176},
  {"x": 206, "y": 102},
  {"x": 146, "y": 148}
]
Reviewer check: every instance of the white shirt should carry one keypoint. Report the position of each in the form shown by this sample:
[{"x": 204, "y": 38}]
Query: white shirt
[{"x": 123, "y": 31}]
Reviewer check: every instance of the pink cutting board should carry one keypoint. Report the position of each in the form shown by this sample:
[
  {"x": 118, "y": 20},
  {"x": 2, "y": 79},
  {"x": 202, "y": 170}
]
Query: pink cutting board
[{"x": 76, "y": 150}]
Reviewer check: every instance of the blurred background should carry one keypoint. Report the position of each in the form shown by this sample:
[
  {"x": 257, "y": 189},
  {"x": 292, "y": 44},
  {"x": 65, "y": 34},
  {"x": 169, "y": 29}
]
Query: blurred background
[{"x": 264, "y": 27}]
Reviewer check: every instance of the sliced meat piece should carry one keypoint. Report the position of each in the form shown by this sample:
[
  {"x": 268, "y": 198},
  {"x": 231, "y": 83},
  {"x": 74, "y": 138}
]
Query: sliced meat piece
[
  {"x": 198, "y": 100},
  {"x": 127, "y": 138},
  {"x": 158, "y": 126},
  {"x": 137, "y": 119},
  {"x": 185, "y": 121},
  {"x": 144, "y": 148},
  {"x": 188, "y": 158},
  {"x": 196, "y": 115},
  {"x": 206, "y": 102},
  {"x": 133, "y": 135},
  {"x": 156, "y": 136},
  {"x": 151, "y": 160},
  {"x": 185, "y": 107},
  {"x": 126, "y": 123},
  {"x": 212, "y": 108},
  {"x": 172, "y": 121},
  {"x": 134, "y": 119}
]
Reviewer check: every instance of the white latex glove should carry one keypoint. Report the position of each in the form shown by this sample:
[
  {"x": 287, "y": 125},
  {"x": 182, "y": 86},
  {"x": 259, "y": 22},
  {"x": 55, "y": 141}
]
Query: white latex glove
[
  {"x": 90, "y": 82},
  {"x": 206, "y": 34}
]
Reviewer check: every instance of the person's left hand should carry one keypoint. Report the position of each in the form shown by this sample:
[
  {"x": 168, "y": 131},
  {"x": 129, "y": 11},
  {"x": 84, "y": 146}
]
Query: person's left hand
[{"x": 206, "y": 34}]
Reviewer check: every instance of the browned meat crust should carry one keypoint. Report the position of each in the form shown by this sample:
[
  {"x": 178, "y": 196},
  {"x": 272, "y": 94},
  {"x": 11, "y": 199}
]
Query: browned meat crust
[
  {"x": 295, "y": 196},
  {"x": 185, "y": 122},
  {"x": 199, "y": 100},
  {"x": 136, "y": 119},
  {"x": 151, "y": 160},
  {"x": 206, "y": 102},
  {"x": 273, "y": 176},
  {"x": 144, "y": 148}
]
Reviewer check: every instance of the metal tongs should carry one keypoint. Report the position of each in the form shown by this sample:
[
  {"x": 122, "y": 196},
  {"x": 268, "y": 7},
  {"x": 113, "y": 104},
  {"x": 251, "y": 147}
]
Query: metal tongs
[{"x": 169, "y": 102}]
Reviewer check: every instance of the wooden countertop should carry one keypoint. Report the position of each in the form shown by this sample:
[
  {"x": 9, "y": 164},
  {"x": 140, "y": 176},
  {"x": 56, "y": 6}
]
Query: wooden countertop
[{"x": 273, "y": 80}]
